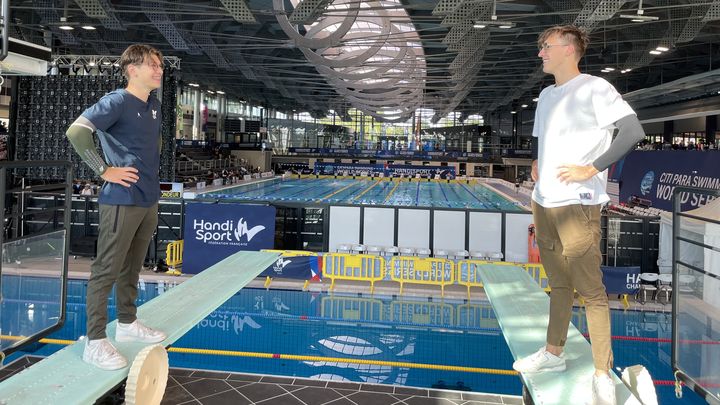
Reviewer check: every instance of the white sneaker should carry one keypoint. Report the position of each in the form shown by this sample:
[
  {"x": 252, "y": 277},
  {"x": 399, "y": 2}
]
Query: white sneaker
[
  {"x": 102, "y": 354},
  {"x": 603, "y": 390},
  {"x": 137, "y": 332},
  {"x": 541, "y": 360}
]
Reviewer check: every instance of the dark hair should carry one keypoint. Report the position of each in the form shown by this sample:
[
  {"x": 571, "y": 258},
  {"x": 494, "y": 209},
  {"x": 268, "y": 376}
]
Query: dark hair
[
  {"x": 136, "y": 55},
  {"x": 572, "y": 34}
]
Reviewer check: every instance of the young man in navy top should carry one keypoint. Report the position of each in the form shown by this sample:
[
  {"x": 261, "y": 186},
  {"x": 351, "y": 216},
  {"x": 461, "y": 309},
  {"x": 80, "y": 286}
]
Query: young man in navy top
[{"x": 127, "y": 122}]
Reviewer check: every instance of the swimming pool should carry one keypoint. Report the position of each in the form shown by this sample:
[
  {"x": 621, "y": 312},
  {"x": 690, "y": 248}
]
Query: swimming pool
[
  {"x": 453, "y": 194},
  {"x": 330, "y": 327}
]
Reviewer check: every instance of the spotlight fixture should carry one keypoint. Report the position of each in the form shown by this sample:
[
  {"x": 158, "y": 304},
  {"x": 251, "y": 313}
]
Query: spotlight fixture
[
  {"x": 536, "y": 99},
  {"x": 513, "y": 112},
  {"x": 640, "y": 16}
]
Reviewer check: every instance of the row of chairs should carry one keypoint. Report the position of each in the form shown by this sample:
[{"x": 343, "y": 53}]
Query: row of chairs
[
  {"x": 419, "y": 252},
  {"x": 659, "y": 288}
]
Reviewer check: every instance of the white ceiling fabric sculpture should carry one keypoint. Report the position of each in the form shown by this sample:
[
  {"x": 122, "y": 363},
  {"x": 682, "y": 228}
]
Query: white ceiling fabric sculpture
[{"x": 371, "y": 55}]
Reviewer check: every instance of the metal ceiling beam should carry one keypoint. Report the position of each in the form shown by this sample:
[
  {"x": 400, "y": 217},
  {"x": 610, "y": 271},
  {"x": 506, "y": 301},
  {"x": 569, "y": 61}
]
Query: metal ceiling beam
[
  {"x": 92, "y": 8},
  {"x": 308, "y": 11},
  {"x": 239, "y": 11},
  {"x": 155, "y": 12}
]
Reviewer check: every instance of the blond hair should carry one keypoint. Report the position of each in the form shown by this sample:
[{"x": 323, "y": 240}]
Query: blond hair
[{"x": 570, "y": 33}]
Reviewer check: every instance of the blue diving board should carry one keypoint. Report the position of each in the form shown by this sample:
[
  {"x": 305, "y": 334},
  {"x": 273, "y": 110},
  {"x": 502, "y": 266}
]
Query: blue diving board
[
  {"x": 63, "y": 378},
  {"x": 522, "y": 310}
]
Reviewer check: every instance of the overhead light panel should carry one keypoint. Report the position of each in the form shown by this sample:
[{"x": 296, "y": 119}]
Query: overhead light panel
[
  {"x": 493, "y": 22},
  {"x": 88, "y": 27},
  {"x": 524, "y": 106},
  {"x": 536, "y": 99},
  {"x": 662, "y": 49},
  {"x": 220, "y": 92},
  {"x": 640, "y": 16},
  {"x": 64, "y": 24},
  {"x": 654, "y": 52}
]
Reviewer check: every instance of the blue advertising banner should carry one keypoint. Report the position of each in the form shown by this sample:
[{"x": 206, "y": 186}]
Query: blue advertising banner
[
  {"x": 653, "y": 175},
  {"x": 445, "y": 172},
  {"x": 215, "y": 231},
  {"x": 351, "y": 169},
  {"x": 296, "y": 267},
  {"x": 400, "y": 153},
  {"x": 621, "y": 280},
  {"x": 356, "y": 169}
]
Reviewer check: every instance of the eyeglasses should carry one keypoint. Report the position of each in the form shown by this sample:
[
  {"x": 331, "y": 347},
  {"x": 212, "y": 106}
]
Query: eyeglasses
[
  {"x": 548, "y": 46},
  {"x": 153, "y": 65}
]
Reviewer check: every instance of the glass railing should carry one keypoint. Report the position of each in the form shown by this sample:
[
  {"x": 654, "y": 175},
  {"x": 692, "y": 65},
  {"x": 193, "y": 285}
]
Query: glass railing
[
  {"x": 695, "y": 290},
  {"x": 32, "y": 251}
]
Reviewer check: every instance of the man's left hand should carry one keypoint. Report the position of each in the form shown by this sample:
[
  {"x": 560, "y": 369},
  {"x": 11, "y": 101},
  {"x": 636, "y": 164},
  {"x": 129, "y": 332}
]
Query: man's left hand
[{"x": 574, "y": 173}]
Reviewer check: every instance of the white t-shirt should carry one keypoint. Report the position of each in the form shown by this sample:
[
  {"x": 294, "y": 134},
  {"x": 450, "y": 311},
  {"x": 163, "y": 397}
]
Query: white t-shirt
[{"x": 574, "y": 124}]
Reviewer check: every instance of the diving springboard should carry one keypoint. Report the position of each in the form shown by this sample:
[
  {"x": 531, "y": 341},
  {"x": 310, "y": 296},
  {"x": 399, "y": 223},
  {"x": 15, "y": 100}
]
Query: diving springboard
[
  {"x": 63, "y": 378},
  {"x": 522, "y": 310}
]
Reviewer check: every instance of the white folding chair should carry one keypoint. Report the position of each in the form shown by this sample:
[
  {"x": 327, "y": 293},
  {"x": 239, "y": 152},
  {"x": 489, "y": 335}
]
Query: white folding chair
[
  {"x": 342, "y": 248},
  {"x": 664, "y": 288},
  {"x": 686, "y": 283},
  {"x": 391, "y": 250},
  {"x": 374, "y": 250},
  {"x": 461, "y": 254},
  {"x": 441, "y": 253},
  {"x": 407, "y": 251},
  {"x": 648, "y": 285},
  {"x": 496, "y": 256},
  {"x": 358, "y": 249},
  {"x": 423, "y": 252}
]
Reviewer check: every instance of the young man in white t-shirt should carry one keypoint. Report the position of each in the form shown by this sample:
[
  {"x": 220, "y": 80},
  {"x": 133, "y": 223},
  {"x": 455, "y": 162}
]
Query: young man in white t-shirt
[{"x": 574, "y": 122}]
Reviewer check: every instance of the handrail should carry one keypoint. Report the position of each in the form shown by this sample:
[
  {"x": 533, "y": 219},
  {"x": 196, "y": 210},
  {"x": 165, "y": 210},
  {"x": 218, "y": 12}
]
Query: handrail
[
  {"x": 680, "y": 375},
  {"x": 4, "y": 167}
]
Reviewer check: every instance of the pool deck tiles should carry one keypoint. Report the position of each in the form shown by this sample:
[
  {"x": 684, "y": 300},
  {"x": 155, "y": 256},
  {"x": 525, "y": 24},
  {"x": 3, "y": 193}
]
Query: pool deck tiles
[{"x": 186, "y": 386}]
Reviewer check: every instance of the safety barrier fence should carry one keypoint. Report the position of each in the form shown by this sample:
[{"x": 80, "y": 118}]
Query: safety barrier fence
[
  {"x": 174, "y": 256},
  {"x": 402, "y": 269}
]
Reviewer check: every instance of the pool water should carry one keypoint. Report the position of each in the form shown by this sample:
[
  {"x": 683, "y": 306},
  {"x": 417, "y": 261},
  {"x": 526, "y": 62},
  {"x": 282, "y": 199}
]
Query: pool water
[
  {"x": 371, "y": 192},
  {"x": 330, "y": 328}
]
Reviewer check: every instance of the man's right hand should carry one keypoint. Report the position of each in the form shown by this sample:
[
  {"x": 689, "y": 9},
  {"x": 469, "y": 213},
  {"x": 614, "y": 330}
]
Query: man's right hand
[
  {"x": 124, "y": 176},
  {"x": 534, "y": 172}
]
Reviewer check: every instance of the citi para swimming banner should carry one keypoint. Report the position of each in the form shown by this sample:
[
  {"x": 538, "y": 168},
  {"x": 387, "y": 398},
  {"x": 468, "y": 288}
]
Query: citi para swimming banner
[
  {"x": 653, "y": 175},
  {"x": 216, "y": 231}
]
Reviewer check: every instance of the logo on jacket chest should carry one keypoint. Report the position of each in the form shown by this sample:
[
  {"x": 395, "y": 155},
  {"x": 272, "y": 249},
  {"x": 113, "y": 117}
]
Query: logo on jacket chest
[{"x": 154, "y": 114}]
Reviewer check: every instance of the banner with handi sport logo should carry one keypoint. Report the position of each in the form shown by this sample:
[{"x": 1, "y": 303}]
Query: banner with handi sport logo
[{"x": 215, "y": 231}]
